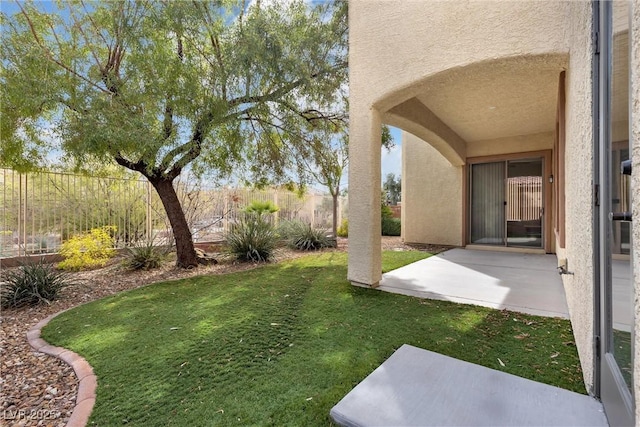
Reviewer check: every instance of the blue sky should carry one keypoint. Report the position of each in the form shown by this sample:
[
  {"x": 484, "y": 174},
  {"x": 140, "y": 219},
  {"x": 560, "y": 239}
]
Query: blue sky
[{"x": 392, "y": 160}]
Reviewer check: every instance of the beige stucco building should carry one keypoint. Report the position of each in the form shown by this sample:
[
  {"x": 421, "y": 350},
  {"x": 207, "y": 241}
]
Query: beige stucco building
[{"x": 516, "y": 119}]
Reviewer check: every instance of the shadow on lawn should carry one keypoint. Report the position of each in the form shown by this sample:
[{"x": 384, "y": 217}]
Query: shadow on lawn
[{"x": 282, "y": 344}]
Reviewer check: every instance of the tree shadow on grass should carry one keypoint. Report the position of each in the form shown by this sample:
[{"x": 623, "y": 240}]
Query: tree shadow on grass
[{"x": 281, "y": 344}]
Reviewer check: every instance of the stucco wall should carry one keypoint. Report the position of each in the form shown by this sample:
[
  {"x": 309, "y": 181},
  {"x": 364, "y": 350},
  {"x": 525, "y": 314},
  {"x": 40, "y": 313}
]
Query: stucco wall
[
  {"x": 395, "y": 46},
  {"x": 432, "y": 201},
  {"x": 400, "y": 42},
  {"x": 579, "y": 287},
  {"x": 514, "y": 144},
  {"x": 635, "y": 135},
  {"x": 365, "y": 255}
]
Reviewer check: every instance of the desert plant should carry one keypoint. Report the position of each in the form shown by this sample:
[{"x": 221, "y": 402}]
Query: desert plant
[
  {"x": 252, "y": 239},
  {"x": 87, "y": 250},
  {"x": 391, "y": 227},
  {"x": 261, "y": 208},
  {"x": 343, "y": 230},
  {"x": 304, "y": 237},
  {"x": 146, "y": 256},
  {"x": 32, "y": 284}
]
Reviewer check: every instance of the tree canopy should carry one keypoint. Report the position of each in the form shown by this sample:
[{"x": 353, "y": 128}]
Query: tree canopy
[
  {"x": 392, "y": 187},
  {"x": 326, "y": 156},
  {"x": 161, "y": 86}
]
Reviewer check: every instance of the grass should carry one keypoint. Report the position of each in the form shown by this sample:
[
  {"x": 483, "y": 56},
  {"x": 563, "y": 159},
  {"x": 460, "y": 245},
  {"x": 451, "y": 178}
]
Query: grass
[{"x": 282, "y": 344}]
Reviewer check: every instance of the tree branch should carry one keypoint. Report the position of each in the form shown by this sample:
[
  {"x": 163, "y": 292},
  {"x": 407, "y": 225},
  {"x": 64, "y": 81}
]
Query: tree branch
[
  {"x": 281, "y": 91},
  {"x": 195, "y": 148},
  {"x": 215, "y": 42},
  {"x": 95, "y": 27},
  {"x": 86, "y": 39},
  {"x": 139, "y": 166},
  {"x": 49, "y": 55}
]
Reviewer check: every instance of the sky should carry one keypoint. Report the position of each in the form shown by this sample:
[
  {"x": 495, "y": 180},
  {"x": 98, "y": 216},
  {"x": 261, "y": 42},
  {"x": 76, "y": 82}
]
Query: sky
[{"x": 392, "y": 160}]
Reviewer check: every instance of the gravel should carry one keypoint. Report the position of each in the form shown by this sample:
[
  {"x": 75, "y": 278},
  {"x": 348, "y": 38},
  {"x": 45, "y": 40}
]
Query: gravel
[{"x": 40, "y": 390}]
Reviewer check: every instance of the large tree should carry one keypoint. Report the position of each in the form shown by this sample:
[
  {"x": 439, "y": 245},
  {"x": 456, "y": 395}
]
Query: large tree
[
  {"x": 326, "y": 154},
  {"x": 158, "y": 87}
]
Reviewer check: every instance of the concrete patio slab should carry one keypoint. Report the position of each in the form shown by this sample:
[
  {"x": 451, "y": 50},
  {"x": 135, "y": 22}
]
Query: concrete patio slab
[
  {"x": 416, "y": 387},
  {"x": 526, "y": 283}
]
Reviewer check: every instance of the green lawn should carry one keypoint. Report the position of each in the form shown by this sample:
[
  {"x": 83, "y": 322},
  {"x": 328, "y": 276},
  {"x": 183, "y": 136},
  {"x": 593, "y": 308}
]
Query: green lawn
[{"x": 283, "y": 343}]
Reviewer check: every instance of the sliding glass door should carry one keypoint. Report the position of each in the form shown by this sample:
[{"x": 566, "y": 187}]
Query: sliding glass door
[
  {"x": 507, "y": 203},
  {"x": 524, "y": 203},
  {"x": 487, "y": 203}
]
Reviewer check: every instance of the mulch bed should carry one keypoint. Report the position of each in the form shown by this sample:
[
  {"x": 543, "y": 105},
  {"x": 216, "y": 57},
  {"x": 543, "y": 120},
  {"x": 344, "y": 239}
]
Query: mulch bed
[{"x": 40, "y": 390}]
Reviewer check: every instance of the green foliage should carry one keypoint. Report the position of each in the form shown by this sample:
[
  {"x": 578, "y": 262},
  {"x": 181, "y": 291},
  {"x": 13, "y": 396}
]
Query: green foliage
[
  {"x": 259, "y": 344},
  {"x": 32, "y": 284},
  {"x": 261, "y": 208},
  {"x": 304, "y": 237},
  {"x": 392, "y": 189},
  {"x": 385, "y": 211},
  {"x": 391, "y": 227},
  {"x": 252, "y": 239},
  {"x": 327, "y": 151},
  {"x": 88, "y": 250},
  {"x": 343, "y": 230},
  {"x": 146, "y": 256},
  {"x": 158, "y": 87}
]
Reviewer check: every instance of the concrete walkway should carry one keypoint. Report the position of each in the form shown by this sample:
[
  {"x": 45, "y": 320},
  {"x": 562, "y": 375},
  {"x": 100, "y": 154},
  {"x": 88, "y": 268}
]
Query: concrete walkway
[
  {"x": 416, "y": 387},
  {"x": 526, "y": 283}
]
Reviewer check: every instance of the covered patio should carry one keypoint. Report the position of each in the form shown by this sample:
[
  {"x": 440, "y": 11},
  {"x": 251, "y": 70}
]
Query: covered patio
[
  {"x": 416, "y": 387},
  {"x": 522, "y": 282}
]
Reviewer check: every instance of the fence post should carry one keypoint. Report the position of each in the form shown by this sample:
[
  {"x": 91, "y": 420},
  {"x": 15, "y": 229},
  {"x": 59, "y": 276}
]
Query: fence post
[
  {"x": 148, "y": 223},
  {"x": 275, "y": 202},
  {"x": 227, "y": 209},
  {"x": 313, "y": 209},
  {"x": 24, "y": 214},
  {"x": 20, "y": 219}
]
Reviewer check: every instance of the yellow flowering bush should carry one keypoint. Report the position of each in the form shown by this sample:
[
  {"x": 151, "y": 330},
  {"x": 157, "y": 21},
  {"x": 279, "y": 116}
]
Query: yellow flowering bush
[{"x": 88, "y": 250}]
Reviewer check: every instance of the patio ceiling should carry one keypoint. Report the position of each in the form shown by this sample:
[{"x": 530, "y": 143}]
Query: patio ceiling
[
  {"x": 491, "y": 104},
  {"x": 490, "y": 100}
]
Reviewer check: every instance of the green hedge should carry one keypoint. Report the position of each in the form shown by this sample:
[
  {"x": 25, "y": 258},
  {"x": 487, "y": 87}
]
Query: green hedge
[{"x": 391, "y": 227}]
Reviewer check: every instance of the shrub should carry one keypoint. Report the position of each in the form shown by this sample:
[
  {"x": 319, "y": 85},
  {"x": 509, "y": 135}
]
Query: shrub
[
  {"x": 32, "y": 284},
  {"x": 385, "y": 211},
  {"x": 146, "y": 256},
  {"x": 92, "y": 249},
  {"x": 304, "y": 237},
  {"x": 252, "y": 239},
  {"x": 391, "y": 227},
  {"x": 343, "y": 229},
  {"x": 260, "y": 208}
]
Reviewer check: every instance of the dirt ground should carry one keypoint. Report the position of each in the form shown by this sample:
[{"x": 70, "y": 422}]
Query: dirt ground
[{"x": 40, "y": 390}]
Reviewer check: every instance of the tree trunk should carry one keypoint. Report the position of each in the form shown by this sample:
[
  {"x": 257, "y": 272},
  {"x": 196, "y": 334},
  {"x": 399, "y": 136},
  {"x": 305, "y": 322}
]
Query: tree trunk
[
  {"x": 334, "y": 195},
  {"x": 184, "y": 241}
]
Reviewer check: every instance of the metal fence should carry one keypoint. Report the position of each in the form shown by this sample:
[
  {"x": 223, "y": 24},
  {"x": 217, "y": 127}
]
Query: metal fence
[
  {"x": 41, "y": 210},
  {"x": 524, "y": 198}
]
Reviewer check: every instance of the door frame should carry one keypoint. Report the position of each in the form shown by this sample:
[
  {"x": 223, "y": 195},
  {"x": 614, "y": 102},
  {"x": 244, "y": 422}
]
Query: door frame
[
  {"x": 609, "y": 385},
  {"x": 547, "y": 177}
]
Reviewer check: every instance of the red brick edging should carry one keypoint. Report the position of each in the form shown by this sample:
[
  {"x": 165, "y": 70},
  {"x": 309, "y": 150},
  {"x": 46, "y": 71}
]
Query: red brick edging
[{"x": 88, "y": 382}]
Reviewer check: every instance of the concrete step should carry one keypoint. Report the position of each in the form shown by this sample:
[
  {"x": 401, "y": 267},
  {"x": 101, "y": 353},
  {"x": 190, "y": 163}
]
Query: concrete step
[{"x": 416, "y": 387}]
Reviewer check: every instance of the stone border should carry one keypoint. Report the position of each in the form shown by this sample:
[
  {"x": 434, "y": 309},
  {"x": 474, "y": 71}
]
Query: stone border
[{"x": 88, "y": 382}]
